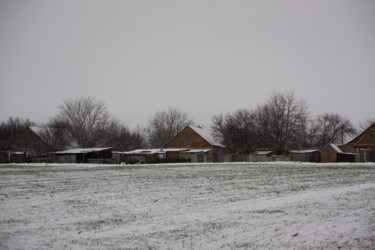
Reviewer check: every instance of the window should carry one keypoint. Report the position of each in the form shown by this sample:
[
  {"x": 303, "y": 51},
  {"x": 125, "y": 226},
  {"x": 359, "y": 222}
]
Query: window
[{"x": 187, "y": 142}]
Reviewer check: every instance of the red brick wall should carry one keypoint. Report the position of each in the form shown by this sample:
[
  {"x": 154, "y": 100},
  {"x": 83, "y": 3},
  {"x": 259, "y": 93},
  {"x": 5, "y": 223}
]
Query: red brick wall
[{"x": 328, "y": 154}]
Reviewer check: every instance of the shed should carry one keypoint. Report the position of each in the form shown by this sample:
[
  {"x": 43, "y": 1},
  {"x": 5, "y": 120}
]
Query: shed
[
  {"x": 308, "y": 155},
  {"x": 197, "y": 155},
  {"x": 261, "y": 156},
  {"x": 332, "y": 153},
  {"x": 84, "y": 155}
]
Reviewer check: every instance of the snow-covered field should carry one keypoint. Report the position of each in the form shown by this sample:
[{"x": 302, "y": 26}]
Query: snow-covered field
[{"x": 207, "y": 206}]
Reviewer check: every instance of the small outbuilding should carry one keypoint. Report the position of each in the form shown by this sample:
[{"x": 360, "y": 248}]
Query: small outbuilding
[
  {"x": 260, "y": 156},
  {"x": 332, "y": 153},
  {"x": 308, "y": 155},
  {"x": 83, "y": 155}
]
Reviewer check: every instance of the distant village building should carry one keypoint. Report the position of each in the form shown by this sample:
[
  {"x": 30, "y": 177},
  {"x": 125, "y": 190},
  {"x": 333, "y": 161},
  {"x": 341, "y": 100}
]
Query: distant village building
[
  {"x": 332, "y": 153},
  {"x": 25, "y": 146},
  {"x": 259, "y": 156},
  {"x": 148, "y": 156},
  {"x": 360, "y": 149},
  {"x": 83, "y": 155},
  {"x": 308, "y": 155},
  {"x": 365, "y": 145},
  {"x": 200, "y": 145}
]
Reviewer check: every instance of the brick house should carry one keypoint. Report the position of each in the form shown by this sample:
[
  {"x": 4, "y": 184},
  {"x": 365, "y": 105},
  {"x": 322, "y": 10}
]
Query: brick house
[
  {"x": 24, "y": 146},
  {"x": 365, "y": 145},
  {"x": 362, "y": 145},
  {"x": 199, "y": 143}
]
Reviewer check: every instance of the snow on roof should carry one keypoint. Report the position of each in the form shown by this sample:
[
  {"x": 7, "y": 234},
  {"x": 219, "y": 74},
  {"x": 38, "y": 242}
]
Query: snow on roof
[
  {"x": 80, "y": 150},
  {"x": 207, "y": 135},
  {"x": 194, "y": 151},
  {"x": 262, "y": 152},
  {"x": 334, "y": 146},
  {"x": 149, "y": 151},
  {"x": 304, "y": 151},
  {"x": 37, "y": 130},
  {"x": 173, "y": 149}
]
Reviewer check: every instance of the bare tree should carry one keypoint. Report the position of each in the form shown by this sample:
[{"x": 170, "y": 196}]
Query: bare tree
[
  {"x": 164, "y": 125},
  {"x": 84, "y": 118},
  {"x": 283, "y": 121},
  {"x": 85, "y": 122},
  {"x": 237, "y": 131},
  {"x": 55, "y": 135},
  {"x": 331, "y": 128},
  {"x": 120, "y": 137}
]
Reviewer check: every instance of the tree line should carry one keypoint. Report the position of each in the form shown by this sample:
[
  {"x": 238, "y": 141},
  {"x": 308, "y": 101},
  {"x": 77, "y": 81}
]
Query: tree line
[{"x": 283, "y": 122}]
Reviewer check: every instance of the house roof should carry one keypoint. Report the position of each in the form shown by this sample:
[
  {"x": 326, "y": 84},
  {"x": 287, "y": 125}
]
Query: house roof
[
  {"x": 196, "y": 151},
  {"x": 262, "y": 152},
  {"x": 368, "y": 131},
  {"x": 335, "y": 147},
  {"x": 363, "y": 134},
  {"x": 37, "y": 130},
  {"x": 149, "y": 151},
  {"x": 206, "y": 134},
  {"x": 81, "y": 151},
  {"x": 304, "y": 151}
]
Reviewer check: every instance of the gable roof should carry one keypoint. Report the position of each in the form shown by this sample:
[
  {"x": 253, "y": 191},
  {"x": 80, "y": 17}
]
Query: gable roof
[
  {"x": 207, "y": 135},
  {"x": 37, "y": 130},
  {"x": 368, "y": 132},
  {"x": 335, "y": 147},
  {"x": 362, "y": 135}
]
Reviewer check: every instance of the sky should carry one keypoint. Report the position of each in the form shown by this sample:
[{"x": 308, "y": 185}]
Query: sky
[{"x": 202, "y": 57}]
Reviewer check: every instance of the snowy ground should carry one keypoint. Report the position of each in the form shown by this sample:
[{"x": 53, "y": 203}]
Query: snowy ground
[{"x": 208, "y": 206}]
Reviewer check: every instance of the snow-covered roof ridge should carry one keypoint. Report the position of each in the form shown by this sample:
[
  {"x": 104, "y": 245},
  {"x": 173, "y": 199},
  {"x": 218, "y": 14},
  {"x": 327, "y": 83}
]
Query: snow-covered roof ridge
[
  {"x": 303, "y": 151},
  {"x": 81, "y": 150},
  {"x": 206, "y": 134},
  {"x": 36, "y": 129}
]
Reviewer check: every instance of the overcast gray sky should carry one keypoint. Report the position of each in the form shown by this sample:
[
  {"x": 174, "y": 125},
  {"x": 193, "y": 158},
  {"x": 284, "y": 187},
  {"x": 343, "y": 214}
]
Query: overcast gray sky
[{"x": 203, "y": 57}]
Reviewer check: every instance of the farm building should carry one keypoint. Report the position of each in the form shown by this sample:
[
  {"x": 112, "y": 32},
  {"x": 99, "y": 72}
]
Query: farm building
[
  {"x": 365, "y": 145},
  {"x": 309, "y": 155},
  {"x": 332, "y": 153},
  {"x": 24, "y": 146},
  {"x": 201, "y": 145},
  {"x": 148, "y": 156},
  {"x": 260, "y": 156},
  {"x": 83, "y": 155}
]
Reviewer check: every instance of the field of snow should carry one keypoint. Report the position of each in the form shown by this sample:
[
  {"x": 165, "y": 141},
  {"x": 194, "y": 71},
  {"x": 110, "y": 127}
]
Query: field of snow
[{"x": 206, "y": 206}]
